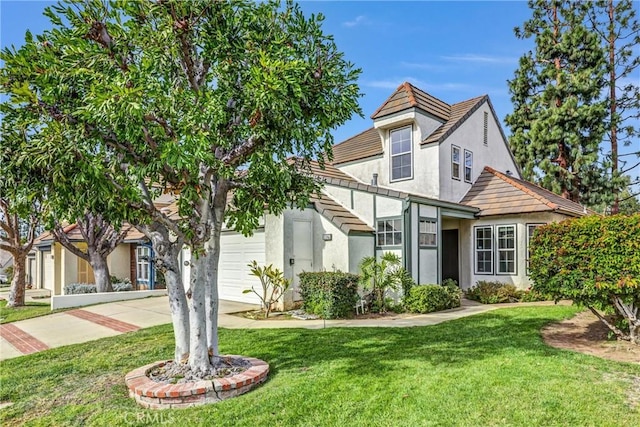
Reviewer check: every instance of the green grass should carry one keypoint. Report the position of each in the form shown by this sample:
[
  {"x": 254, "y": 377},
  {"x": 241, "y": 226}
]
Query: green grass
[
  {"x": 31, "y": 309},
  {"x": 490, "y": 369}
]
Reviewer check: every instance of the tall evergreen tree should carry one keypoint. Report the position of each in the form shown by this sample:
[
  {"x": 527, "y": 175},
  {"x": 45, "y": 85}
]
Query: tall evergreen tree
[
  {"x": 619, "y": 31},
  {"x": 557, "y": 120}
]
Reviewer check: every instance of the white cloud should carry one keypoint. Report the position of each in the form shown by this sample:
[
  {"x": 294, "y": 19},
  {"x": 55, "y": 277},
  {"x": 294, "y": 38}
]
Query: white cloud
[
  {"x": 359, "y": 20},
  {"x": 481, "y": 59}
]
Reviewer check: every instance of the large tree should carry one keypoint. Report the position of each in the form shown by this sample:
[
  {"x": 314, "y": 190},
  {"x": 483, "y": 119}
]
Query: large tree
[
  {"x": 557, "y": 119},
  {"x": 205, "y": 100},
  {"x": 20, "y": 206},
  {"x": 618, "y": 28}
]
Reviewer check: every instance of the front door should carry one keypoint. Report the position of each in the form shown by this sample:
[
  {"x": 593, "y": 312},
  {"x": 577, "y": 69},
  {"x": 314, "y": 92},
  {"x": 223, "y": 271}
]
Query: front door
[
  {"x": 450, "y": 255},
  {"x": 302, "y": 257}
]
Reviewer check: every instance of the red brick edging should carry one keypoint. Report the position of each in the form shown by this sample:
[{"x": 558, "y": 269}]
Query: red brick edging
[
  {"x": 105, "y": 321},
  {"x": 23, "y": 342},
  {"x": 153, "y": 395}
]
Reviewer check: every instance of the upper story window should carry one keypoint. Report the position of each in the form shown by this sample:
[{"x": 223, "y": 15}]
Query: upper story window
[
  {"x": 455, "y": 162},
  {"x": 389, "y": 232},
  {"x": 485, "y": 137},
  {"x": 468, "y": 165},
  {"x": 401, "y": 153}
]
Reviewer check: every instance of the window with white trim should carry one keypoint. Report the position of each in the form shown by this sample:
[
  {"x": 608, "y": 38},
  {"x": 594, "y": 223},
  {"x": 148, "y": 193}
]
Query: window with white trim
[
  {"x": 389, "y": 232},
  {"x": 427, "y": 232},
  {"x": 485, "y": 136},
  {"x": 401, "y": 153},
  {"x": 455, "y": 162},
  {"x": 468, "y": 165},
  {"x": 531, "y": 228},
  {"x": 484, "y": 249},
  {"x": 143, "y": 253},
  {"x": 506, "y": 247}
]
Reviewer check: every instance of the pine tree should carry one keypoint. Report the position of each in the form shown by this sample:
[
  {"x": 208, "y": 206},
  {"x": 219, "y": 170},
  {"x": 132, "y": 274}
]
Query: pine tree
[
  {"x": 619, "y": 31},
  {"x": 557, "y": 121}
]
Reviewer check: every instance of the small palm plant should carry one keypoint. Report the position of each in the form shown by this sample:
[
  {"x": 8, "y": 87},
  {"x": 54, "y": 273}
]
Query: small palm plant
[
  {"x": 381, "y": 276},
  {"x": 274, "y": 285}
]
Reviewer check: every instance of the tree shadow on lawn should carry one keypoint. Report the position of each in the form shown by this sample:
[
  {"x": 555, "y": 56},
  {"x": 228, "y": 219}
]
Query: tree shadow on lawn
[{"x": 372, "y": 351}]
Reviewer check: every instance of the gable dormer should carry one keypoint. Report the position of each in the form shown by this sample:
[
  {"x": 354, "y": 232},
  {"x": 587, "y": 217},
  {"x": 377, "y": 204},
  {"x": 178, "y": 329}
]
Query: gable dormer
[{"x": 409, "y": 105}]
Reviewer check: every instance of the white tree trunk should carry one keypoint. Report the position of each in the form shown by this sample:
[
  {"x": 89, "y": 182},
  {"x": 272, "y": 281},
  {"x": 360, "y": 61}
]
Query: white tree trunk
[
  {"x": 199, "y": 360},
  {"x": 177, "y": 303},
  {"x": 18, "y": 283},
  {"x": 100, "y": 271},
  {"x": 211, "y": 298}
]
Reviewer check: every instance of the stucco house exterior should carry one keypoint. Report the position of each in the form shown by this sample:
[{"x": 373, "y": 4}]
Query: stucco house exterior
[{"x": 433, "y": 182}]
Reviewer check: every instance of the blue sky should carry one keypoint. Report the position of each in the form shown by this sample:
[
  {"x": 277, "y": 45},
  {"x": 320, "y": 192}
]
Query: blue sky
[{"x": 455, "y": 50}]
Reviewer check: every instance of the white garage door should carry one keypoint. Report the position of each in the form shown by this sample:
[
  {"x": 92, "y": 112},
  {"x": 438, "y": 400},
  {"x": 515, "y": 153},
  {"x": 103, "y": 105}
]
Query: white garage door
[
  {"x": 48, "y": 271},
  {"x": 236, "y": 251}
]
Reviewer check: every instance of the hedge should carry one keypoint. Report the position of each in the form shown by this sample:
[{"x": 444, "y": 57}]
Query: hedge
[
  {"x": 429, "y": 298},
  {"x": 594, "y": 261},
  {"x": 332, "y": 295}
]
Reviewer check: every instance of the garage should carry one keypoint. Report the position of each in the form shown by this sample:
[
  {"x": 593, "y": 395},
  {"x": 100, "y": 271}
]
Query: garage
[
  {"x": 236, "y": 251},
  {"x": 48, "y": 271}
]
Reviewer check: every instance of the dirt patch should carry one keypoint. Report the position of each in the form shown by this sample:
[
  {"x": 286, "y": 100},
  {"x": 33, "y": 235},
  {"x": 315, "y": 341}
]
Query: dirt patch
[{"x": 586, "y": 334}]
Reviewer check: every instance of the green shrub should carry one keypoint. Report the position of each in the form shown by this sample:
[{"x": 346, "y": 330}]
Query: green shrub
[
  {"x": 531, "y": 295},
  {"x": 79, "y": 288},
  {"x": 329, "y": 294},
  {"x": 273, "y": 284},
  {"x": 493, "y": 292},
  {"x": 429, "y": 298},
  {"x": 381, "y": 275},
  {"x": 122, "y": 287},
  {"x": 594, "y": 261}
]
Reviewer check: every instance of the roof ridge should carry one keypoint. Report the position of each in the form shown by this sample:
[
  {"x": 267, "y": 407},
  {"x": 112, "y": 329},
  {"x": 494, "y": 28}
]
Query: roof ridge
[
  {"x": 470, "y": 99},
  {"x": 521, "y": 187},
  {"x": 427, "y": 93},
  {"x": 408, "y": 87}
]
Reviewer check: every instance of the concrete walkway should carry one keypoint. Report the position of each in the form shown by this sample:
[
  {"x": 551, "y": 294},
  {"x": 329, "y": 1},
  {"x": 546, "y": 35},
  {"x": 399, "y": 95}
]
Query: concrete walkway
[{"x": 105, "y": 320}]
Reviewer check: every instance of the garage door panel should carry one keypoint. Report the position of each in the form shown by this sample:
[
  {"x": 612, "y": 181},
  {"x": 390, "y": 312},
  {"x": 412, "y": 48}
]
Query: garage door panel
[{"x": 236, "y": 251}]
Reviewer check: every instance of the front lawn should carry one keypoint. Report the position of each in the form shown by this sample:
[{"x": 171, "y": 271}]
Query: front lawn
[
  {"x": 31, "y": 309},
  {"x": 489, "y": 369}
]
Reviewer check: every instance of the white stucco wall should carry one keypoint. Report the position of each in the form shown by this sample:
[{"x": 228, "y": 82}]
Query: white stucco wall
[
  {"x": 469, "y": 278},
  {"x": 119, "y": 261},
  {"x": 388, "y": 207},
  {"x": 470, "y": 136},
  {"x": 333, "y": 254},
  {"x": 360, "y": 246}
]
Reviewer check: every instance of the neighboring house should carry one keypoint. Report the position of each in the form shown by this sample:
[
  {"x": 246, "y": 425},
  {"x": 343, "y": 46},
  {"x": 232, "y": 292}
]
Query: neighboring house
[
  {"x": 56, "y": 266},
  {"x": 433, "y": 182},
  {"x": 6, "y": 261}
]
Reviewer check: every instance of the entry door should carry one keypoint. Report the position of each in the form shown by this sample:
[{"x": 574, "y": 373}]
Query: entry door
[
  {"x": 450, "y": 255},
  {"x": 302, "y": 258}
]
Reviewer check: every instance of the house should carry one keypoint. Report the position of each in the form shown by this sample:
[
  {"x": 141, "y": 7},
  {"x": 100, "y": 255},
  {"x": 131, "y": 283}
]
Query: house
[
  {"x": 53, "y": 266},
  {"x": 433, "y": 182}
]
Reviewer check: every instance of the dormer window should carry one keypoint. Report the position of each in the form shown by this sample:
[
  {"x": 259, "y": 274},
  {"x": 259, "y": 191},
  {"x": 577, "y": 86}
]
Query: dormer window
[{"x": 401, "y": 153}]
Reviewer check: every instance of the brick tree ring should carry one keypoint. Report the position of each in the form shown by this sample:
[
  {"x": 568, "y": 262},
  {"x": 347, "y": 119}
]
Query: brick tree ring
[{"x": 154, "y": 395}]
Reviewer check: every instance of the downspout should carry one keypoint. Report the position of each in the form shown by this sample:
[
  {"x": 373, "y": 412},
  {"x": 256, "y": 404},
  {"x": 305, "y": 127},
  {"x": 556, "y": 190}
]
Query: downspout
[{"x": 406, "y": 247}]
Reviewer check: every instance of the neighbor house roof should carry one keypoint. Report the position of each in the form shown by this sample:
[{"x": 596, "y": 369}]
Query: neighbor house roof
[
  {"x": 409, "y": 96},
  {"x": 368, "y": 143},
  {"x": 496, "y": 193},
  {"x": 73, "y": 233}
]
